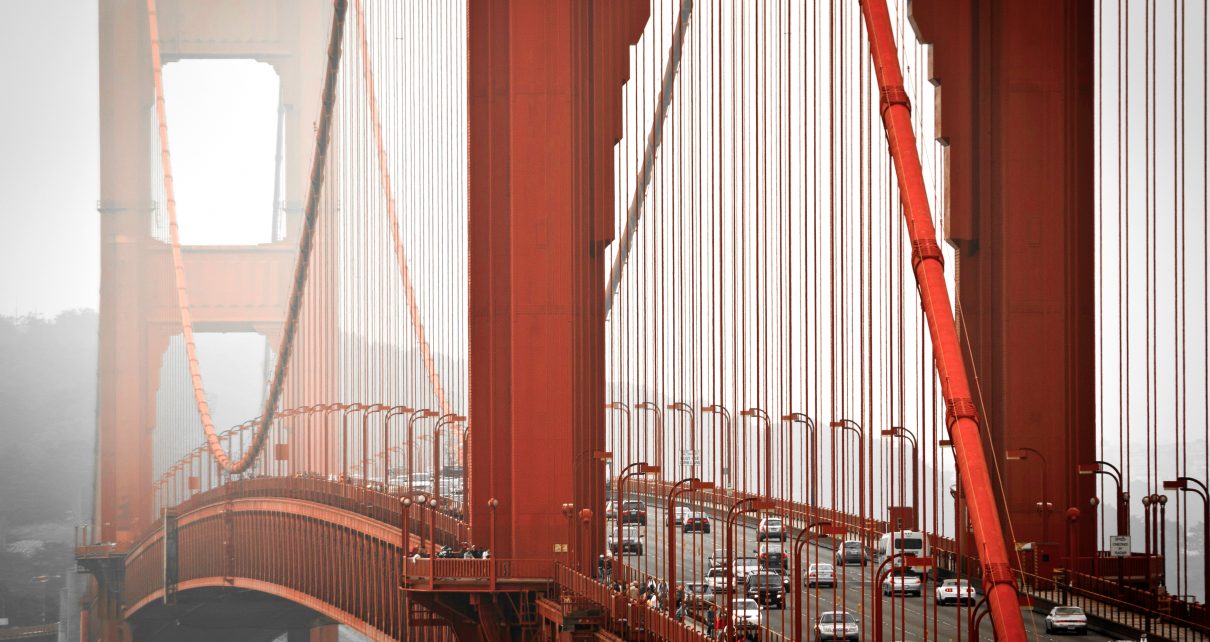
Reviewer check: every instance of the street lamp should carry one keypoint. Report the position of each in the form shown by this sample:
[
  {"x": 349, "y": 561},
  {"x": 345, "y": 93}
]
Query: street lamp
[
  {"x": 448, "y": 418},
  {"x": 687, "y": 485},
  {"x": 802, "y": 418},
  {"x": 764, "y": 416},
  {"x": 1099, "y": 467},
  {"x": 659, "y": 429},
  {"x": 640, "y": 468},
  {"x": 1044, "y": 506},
  {"x": 625, "y": 410},
  {"x": 681, "y": 406},
  {"x": 855, "y": 428},
  {"x": 393, "y": 411},
  {"x": 825, "y": 528},
  {"x": 365, "y": 441},
  {"x": 880, "y": 577},
  {"x": 724, "y": 458},
  {"x": 901, "y": 432},
  {"x": 419, "y": 413},
  {"x": 1198, "y": 488},
  {"x": 746, "y": 505}
]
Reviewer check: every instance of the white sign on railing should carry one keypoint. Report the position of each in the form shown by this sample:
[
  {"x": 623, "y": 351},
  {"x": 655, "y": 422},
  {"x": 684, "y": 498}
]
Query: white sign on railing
[{"x": 1119, "y": 545}]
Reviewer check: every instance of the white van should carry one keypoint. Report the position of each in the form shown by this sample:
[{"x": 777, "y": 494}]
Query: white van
[{"x": 910, "y": 543}]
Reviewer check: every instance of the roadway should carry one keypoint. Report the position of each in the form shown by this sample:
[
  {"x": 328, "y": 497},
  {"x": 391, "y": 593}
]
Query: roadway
[{"x": 854, "y": 590}]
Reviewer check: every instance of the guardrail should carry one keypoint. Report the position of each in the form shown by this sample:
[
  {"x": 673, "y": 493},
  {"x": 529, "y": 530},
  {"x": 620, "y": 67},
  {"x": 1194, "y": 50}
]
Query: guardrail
[
  {"x": 455, "y": 574},
  {"x": 630, "y": 619},
  {"x": 1132, "y": 609}
]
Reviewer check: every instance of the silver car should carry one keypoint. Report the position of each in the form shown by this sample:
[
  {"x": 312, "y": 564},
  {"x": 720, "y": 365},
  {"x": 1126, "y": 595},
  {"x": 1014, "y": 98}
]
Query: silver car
[
  {"x": 1067, "y": 618},
  {"x": 836, "y": 625},
  {"x": 821, "y": 575}
]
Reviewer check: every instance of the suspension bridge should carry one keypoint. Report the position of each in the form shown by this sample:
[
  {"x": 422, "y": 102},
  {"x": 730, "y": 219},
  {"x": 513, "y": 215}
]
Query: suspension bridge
[{"x": 665, "y": 321}]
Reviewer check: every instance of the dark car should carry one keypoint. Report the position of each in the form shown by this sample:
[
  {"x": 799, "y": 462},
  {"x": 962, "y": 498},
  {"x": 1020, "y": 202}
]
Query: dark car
[
  {"x": 696, "y": 522},
  {"x": 851, "y": 552},
  {"x": 772, "y": 557},
  {"x": 633, "y": 512},
  {"x": 632, "y": 542},
  {"x": 766, "y": 588}
]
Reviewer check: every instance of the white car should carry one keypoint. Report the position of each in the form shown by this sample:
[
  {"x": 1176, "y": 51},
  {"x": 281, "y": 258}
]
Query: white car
[
  {"x": 954, "y": 591},
  {"x": 836, "y": 625},
  {"x": 902, "y": 585},
  {"x": 747, "y": 616},
  {"x": 744, "y": 566},
  {"x": 821, "y": 575},
  {"x": 716, "y": 577},
  {"x": 771, "y": 528},
  {"x": 677, "y": 516},
  {"x": 1067, "y": 618}
]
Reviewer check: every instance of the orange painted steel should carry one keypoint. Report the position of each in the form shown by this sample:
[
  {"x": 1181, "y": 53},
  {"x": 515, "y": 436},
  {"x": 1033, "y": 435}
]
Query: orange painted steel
[
  {"x": 306, "y": 243},
  {"x": 962, "y": 417},
  {"x": 329, "y": 546},
  {"x": 384, "y": 174}
]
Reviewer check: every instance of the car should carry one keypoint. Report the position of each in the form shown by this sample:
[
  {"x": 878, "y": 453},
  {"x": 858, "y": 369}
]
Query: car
[
  {"x": 836, "y": 625},
  {"x": 1067, "y": 618},
  {"x": 851, "y": 552},
  {"x": 902, "y": 584},
  {"x": 954, "y": 591},
  {"x": 716, "y": 577},
  {"x": 698, "y": 595},
  {"x": 766, "y": 588},
  {"x": 611, "y": 510},
  {"x": 772, "y": 557},
  {"x": 717, "y": 558},
  {"x": 821, "y": 575},
  {"x": 696, "y": 523},
  {"x": 632, "y": 541},
  {"x": 745, "y": 565},
  {"x": 771, "y": 528},
  {"x": 746, "y": 614},
  {"x": 420, "y": 482},
  {"x": 677, "y": 516},
  {"x": 633, "y": 512}
]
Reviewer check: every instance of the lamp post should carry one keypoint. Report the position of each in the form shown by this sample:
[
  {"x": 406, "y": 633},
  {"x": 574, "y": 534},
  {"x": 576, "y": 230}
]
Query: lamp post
[
  {"x": 365, "y": 441},
  {"x": 393, "y": 411},
  {"x": 640, "y": 468},
  {"x": 764, "y": 416},
  {"x": 746, "y": 505},
  {"x": 1044, "y": 506},
  {"x": 853, "y": 426},
  {"x": 1099, "y": 467},
  {"x": 902, "y": 433},
  {"x": 681, "y": 406},
  {"x": 443, "y": 420},
  {"x": 825, "y": 528},
  {"x": 724, "y": 458},
  {"x": 880, "y": 577},
  {"x": 344, "y": 438},
  {"x": 625, "y": 410},
  {"x": 802, "y": 418},
  {"x": 687, "y": 485},
  {"x": 419, "y": 413},
  {"x": 659, "y": 430},
  {"x": 1191, "y": 485}
]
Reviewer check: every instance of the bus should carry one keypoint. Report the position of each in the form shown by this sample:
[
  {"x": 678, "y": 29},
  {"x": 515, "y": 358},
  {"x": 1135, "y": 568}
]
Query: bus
[{"x": 910, "y": 543}]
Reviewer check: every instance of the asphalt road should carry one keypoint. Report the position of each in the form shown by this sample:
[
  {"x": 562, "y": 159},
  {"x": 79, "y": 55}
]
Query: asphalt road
[{"x": 904, "y": 618}]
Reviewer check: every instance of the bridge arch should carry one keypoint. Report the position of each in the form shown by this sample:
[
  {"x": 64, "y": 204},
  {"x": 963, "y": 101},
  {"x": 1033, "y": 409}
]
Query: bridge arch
[{"x": 332, "y": 548}]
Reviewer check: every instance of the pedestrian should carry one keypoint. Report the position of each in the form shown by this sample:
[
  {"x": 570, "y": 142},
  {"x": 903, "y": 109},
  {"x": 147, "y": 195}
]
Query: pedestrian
[
  {"x": 654, "y": 602},
  {"x": 710, "y": 615}
]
